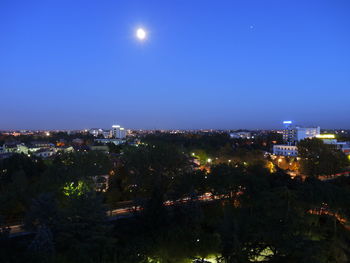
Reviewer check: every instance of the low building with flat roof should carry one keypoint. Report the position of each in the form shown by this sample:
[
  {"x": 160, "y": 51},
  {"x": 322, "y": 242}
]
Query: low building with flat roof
[
  {"x": 106, "y": 141},
  {"x": 285, "y": 150}
]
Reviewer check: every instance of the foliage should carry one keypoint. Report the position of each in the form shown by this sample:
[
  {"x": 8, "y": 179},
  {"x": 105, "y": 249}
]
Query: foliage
[
  {"x": 318, "y": 158},
  {"x": 70, "y": 189},
  {"x": 238, "y": 211}
]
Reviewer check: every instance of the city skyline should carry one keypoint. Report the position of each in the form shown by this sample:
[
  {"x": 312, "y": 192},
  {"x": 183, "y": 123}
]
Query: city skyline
[
  {"x": 200, "y": 65},
  {"x": 106, "y": 128}
]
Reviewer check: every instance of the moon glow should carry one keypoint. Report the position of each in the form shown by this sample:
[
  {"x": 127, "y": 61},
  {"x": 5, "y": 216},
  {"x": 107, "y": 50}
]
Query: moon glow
[{"x": 141, "y": 34}]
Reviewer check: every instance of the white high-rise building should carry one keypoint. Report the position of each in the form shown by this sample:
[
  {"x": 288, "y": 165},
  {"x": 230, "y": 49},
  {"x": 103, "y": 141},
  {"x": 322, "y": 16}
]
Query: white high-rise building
[
  {"x": 122, "y": 133},
  {"x": 118, "y": 132},
  {"x": 291, "y": 136},
  {"x": 294, "y": 134},
  {"x": 288, "y": 133},
  {"x": 304, "y": 133}
]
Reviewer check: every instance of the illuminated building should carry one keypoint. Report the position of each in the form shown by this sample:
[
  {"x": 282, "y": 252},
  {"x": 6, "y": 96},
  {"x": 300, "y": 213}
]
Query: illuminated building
[
  {"x": 118, "y": 132},
  {"x": 45, "y": 153},
  {"x": 292, "y": 150},
  {"x": 240, "y": 135},
  {"x": 304, "y": 133},
  {"x": 288, "y": 133},
  {"x": 330, "y": 139},
  {"x": 106, "y": 134},
  {"x": 106, "y": 141},
  {"x": 287, "y": 124},
  {"x": 285, "y": 150},
  {"x": 293, "y": 134},
  {"x": 95, "y": 132}
]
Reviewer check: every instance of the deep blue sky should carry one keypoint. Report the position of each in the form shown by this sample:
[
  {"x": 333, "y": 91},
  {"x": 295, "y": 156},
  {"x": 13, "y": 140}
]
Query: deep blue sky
[{"x": 206, "y": 64}]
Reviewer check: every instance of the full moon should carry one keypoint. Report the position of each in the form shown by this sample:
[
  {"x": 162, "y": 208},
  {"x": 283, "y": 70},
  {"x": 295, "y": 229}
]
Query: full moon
[{"x": 141, "y": 34}]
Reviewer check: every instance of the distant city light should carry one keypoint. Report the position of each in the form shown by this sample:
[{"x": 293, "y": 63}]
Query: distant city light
[
  {"x": 287, "y": 122},
  {"x": 209, "y": 160}
]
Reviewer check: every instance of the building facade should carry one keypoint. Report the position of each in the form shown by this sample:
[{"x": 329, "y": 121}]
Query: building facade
[
  {"x": 304, "y": 133},
  {"x": 106, "y": 141},
  {"x": 294, "y": 134},
  {"x": 240, "y": 135},
  {"x": 118, "y": 132},
  {"x": 285, "y": 150}
]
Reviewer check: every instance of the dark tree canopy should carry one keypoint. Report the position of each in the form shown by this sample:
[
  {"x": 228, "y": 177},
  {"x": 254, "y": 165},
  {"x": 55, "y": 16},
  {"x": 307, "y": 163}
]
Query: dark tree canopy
[{"x": 318, "y": 158}]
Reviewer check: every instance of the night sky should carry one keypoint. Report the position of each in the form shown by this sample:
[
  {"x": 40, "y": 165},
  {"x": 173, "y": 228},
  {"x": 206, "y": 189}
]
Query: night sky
[{"x": 67, "y": 64}]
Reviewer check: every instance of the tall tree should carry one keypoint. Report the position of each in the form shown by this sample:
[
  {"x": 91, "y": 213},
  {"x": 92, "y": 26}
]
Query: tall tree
[{"x": 318, "y": 158}]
